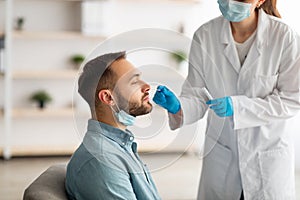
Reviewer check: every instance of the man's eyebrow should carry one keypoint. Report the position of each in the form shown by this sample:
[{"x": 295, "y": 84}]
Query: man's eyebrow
[{"x": 138, "y": 74}]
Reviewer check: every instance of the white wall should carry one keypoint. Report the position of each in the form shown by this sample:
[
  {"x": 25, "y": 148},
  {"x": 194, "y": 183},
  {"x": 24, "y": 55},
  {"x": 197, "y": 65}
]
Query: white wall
[{"x": 290, "y": 13}]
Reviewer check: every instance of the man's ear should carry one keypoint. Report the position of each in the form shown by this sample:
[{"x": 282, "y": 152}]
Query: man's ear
[{"x": 106, "y": 98}]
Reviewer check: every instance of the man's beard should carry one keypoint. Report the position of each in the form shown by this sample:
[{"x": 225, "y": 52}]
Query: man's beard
[{"x": 134, "y": 108}]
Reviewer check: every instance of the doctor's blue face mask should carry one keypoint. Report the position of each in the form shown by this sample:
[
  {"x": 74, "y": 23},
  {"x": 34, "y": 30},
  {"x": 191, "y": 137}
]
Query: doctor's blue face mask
[{"x": 234, "y": 11}]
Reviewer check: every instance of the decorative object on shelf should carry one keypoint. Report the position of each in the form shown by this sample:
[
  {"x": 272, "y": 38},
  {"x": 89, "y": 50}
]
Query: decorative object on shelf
[
  {"x": 1, "y": 111},
  {"x": 95, "y": 17},
  {"x": 20, "y": 23},
  {"x": 1, "y": 54},
  {"x": 181, "y": 59},
  {"x": 42, "y": 97},
  {"x": 181, "y": 28},
  {"x": 77, "y": 60}
]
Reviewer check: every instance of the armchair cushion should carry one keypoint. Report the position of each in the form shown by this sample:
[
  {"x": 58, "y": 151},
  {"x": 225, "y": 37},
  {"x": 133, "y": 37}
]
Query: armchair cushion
[{"x": 49, "y": 185}]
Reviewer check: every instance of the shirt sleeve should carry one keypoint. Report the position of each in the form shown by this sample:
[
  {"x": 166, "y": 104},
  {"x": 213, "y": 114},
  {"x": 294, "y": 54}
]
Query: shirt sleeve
[
  {"x": 282, "y": 103},
  {"x": 98, "y": 182}
]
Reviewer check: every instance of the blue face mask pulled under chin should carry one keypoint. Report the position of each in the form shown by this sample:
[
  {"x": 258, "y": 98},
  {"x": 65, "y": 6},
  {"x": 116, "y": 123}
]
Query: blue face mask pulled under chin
[
  {"x": 125, "y": 118},
  {"x": 234, "y": 11}
]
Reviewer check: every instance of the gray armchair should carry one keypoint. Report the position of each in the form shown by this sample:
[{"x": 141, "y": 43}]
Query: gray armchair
[{"x": 50, "y": 185}]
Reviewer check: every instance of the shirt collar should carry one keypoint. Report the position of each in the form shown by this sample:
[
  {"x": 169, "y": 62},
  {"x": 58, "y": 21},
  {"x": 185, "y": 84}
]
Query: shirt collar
[{"x": 123, "y": 138}]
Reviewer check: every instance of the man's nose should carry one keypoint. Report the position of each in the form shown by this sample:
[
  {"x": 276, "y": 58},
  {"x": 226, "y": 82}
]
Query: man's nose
[{"x": 145, "y": 87}]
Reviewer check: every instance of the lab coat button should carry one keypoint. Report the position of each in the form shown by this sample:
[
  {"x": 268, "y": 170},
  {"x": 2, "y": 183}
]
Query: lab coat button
[{"x": 131, "y": 138}]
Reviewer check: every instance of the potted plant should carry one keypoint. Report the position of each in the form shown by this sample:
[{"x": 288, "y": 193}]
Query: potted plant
[
  {"x": 77, "y": 59},
  {"x": 180, "y": 58},
  {"x": 20, "y": 23},
  {"x": 41, "y": 97}
]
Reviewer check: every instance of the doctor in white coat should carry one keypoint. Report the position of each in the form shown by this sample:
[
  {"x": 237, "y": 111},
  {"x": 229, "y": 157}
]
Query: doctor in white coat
[{"x": 249, "y": 60}]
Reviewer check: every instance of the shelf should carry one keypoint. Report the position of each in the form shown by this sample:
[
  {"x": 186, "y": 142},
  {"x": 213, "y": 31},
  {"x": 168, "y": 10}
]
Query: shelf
[
  {"x": 46, "y": 74},
  {"x": 55, "y": 35},
  {"x": 47, "y": 112},
  {"x": 42, "y": 150}
]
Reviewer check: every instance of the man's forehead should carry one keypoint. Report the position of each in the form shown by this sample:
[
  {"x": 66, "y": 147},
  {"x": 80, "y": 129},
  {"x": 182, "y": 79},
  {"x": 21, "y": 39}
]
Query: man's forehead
[
  {"x": 124, "y": 69},
  {"x": 127, "y": 76}
]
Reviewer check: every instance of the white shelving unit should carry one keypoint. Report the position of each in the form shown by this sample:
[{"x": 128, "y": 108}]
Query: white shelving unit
[{"x": 22, "y": 70}]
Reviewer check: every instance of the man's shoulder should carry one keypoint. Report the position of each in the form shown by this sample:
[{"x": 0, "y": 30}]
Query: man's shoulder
[
  {"x": 106, "y": 155},
  {"x": 86, "y": 176}
]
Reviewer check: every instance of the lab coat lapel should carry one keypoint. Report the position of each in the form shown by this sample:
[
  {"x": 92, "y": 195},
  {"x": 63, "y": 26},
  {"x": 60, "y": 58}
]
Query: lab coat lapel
[
  {"x": 252, "y": 57},
  {"x": 260, "y": 40},
  {"x": 230, "y": 51}
]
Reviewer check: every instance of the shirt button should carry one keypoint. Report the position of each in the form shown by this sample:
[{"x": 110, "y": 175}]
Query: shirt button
[
  {"x": 131, "y": 138},
  {"x": 123, "y": 143}
]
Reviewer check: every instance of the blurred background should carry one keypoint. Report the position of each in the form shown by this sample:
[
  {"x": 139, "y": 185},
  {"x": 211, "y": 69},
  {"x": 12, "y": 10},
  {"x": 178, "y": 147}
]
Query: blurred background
[{"x": 43, "y": 43}]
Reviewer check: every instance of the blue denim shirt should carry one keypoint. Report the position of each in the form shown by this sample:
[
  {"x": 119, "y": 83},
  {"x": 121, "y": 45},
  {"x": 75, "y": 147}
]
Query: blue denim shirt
[{"x": 106, "y": 166}]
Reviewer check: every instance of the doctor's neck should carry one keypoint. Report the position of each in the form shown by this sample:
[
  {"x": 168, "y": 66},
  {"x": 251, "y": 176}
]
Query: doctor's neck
[{"x": 241, "y": 31}]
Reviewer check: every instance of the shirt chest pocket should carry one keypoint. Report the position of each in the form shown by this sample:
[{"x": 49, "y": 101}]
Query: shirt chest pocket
[{"x": 262, "y": 86}]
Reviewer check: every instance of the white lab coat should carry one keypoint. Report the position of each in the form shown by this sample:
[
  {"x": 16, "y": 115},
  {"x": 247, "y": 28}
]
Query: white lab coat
[{"x": 253, "y": 150}]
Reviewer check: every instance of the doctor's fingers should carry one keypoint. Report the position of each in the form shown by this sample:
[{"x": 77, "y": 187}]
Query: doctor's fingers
[
  {"x": 215, "y": 101},
  {"x": 159, "y": 98},
  {"x": 218, "y": 106},
  {"x": 223, "y": 114},
  {"x": 167, "y": 92},
  {"x": 220, "y": 111},
  {"x": 160, "y": 88}
]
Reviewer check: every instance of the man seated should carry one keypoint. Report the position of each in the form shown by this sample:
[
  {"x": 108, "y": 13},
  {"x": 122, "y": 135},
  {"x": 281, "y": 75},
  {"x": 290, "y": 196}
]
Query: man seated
[{"x": 106, "y": 164}]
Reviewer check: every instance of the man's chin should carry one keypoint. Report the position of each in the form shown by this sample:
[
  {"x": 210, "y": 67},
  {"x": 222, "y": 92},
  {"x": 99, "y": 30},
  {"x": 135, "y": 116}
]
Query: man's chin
[
  {"x": 150, "y": 107},
  {"x": 146, "y": 110}
]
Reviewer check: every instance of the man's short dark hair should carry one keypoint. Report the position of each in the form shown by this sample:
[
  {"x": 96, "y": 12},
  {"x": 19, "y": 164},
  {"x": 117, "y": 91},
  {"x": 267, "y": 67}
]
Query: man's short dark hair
[{"x": 97, "y": 76}]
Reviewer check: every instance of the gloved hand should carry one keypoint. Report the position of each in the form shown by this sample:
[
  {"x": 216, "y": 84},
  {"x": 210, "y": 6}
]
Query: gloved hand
[
  {"x": 223, "y": 107},
  {"x": 166, "y": 99}
]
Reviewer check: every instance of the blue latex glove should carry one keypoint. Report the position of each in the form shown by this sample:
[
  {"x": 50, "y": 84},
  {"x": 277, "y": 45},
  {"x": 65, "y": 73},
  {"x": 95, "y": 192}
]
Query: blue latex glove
[
  {"x": 166, "y": 99},
  {"x": 223, "y": 107}
]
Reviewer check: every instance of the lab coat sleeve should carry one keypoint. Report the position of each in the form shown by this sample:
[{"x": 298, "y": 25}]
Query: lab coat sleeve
[
  {"x": 282, "y": 103},
  {"x": 192, "y": 102}
]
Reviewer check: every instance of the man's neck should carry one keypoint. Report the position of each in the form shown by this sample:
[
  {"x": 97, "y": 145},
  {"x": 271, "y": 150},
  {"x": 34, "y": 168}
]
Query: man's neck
[{"x": 109, "y": 119}]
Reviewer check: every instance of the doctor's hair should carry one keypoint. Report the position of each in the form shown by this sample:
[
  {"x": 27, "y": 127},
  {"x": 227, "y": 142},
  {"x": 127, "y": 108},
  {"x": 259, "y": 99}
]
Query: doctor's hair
[
  {"x": 97, "y": 75},
  {"x": 269, "y": 6}
]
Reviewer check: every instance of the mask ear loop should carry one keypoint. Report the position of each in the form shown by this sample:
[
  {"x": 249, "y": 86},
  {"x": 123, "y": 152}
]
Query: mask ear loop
[
  {"x": 118, "y": 108},
  {"x": 115, "y": 104}
]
